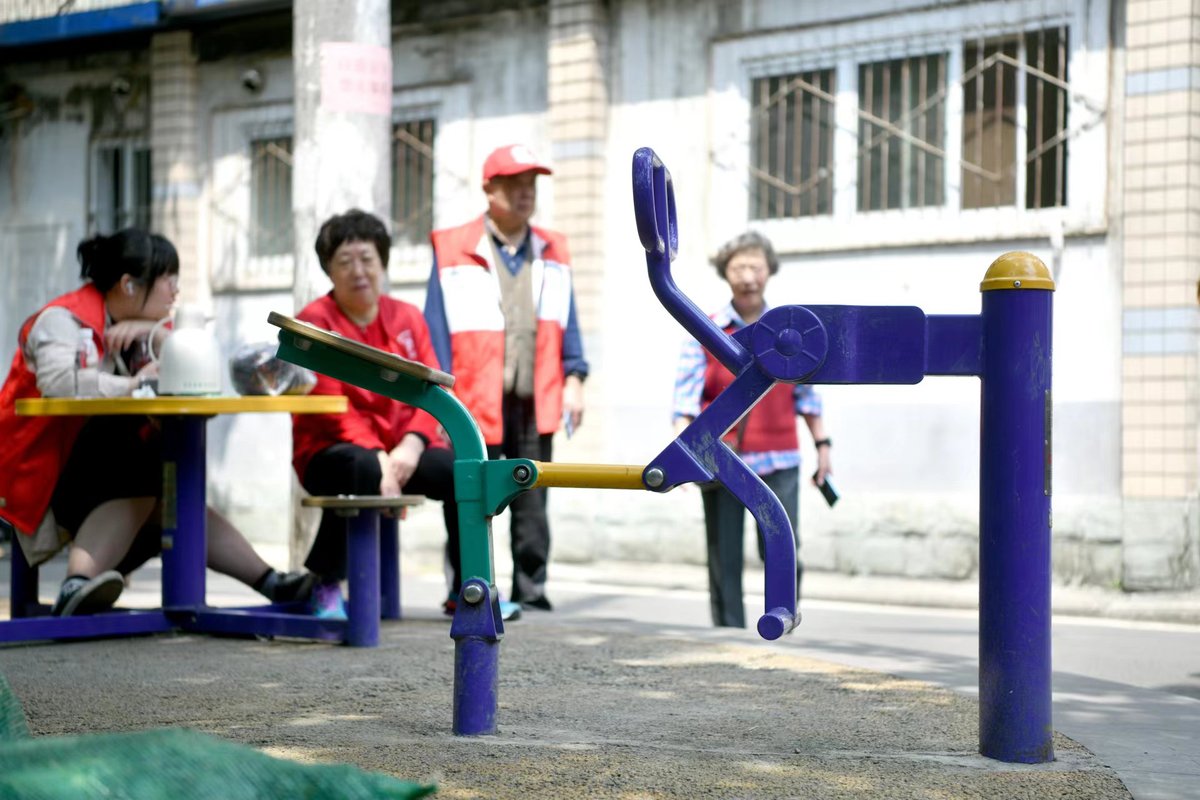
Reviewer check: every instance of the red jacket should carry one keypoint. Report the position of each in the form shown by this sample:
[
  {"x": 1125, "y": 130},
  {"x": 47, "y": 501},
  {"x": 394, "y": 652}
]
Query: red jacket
[
  {"x": 471, "y": 293},
  {"x": 371, "y": 420},
  {"x": 770, "y": 425},
  {"x": 33, "y": 450}
]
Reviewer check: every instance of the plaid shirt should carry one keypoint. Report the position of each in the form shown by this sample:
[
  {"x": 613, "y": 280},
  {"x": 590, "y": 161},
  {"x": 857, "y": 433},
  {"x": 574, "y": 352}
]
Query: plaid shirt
[{"x": 689, "y": 385}]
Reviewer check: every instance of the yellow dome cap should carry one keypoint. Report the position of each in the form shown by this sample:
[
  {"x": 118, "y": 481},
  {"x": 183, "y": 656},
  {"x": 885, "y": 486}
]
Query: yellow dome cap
[{"x": 1017, "y": 270}]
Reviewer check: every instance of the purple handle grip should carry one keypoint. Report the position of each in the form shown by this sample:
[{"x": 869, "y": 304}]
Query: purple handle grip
[{"x": 654, "y": 209}]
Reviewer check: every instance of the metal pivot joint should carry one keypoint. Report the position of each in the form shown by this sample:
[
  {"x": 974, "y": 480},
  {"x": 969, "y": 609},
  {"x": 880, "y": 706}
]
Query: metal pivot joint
[
  {"x": 477, "y": 630},
  {"x": 790, "y": 343}
]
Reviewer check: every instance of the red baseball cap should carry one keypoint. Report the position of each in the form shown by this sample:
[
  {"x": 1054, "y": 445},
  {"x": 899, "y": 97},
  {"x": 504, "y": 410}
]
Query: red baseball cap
[{"x": 512, "y": 159}]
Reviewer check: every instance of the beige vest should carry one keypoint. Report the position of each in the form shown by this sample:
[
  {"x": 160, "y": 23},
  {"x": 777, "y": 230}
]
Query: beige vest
[{"x": 520, "y": 325}]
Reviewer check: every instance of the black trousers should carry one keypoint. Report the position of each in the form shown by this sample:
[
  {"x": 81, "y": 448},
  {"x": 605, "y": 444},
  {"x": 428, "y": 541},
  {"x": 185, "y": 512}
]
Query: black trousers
[
  {"x": 350, "y": 469},
  {"x": 530, "y": 528},
  {"x": 113, "y": 458},
  {"x": 724, "y": 528}
]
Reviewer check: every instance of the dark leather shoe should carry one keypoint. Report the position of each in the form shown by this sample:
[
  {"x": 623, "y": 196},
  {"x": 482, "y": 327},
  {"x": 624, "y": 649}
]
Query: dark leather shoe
[
  {"x": 293, "y": 587},
  {"x": 539, "y": 603}
]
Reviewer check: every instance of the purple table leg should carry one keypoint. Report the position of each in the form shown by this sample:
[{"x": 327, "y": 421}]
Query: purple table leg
[
  {"x": 362, "y": 546},
  {"x": 389, "y": 566},
  {"x": 24, "y": 597},
  {"x": 1014, "y": 528},
  {"x": 185, "y": 543}
]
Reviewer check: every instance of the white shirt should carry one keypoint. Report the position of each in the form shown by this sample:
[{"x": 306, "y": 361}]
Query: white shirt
[{"x": 52, "y": 353}]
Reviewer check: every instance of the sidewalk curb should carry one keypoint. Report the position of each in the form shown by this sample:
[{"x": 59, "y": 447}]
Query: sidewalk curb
[{"x": 1179, "y": 608}]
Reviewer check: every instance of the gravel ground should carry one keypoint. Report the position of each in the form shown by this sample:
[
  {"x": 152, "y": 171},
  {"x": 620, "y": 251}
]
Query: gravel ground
[{"x": 620, "y": 710}]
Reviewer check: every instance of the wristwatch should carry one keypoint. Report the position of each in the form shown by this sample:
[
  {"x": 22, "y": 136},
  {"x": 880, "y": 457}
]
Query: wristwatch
[{"x": 826, "y": 442}]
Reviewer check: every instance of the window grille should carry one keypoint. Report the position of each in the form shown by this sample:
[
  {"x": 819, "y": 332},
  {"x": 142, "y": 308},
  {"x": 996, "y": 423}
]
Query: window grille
[
  {"x": 412, "y": 180},
  {"x": 142, "y": 188},
  {"x": 901, "y": 132},
  {"x": 121, "y": 190},
  {"x": 992, "y": 94},
  {"x": 1046, "y": 133},
  {"x": 791, "y": 158},
  {"x": 271, "y": 196}
]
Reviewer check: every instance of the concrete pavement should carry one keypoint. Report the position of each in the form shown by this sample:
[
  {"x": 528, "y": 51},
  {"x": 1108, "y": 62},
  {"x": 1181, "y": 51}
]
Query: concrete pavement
[
  {"x": 590, "y": 705},
  {"x": 1125, "y": 680}
]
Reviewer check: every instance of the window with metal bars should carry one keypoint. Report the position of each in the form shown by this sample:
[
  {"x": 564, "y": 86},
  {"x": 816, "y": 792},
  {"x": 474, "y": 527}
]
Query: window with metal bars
[
  {"x": 1000, "y": 78},
  {"x": 121, "y": 188},
  {"x": 901, "y": 132},
  {"x": 791, "y": 151},
  {"x": 412, "y": 180},
  {"x": 271, "y": 196}
]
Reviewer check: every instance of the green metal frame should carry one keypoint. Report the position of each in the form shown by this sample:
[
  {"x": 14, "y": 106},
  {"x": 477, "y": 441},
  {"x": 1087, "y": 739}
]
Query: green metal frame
[{"x": 482, "y": 488}]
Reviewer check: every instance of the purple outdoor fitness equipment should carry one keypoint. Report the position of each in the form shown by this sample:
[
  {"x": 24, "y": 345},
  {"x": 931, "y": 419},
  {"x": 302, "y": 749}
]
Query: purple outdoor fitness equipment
[{"x": 1008, "y": 346}]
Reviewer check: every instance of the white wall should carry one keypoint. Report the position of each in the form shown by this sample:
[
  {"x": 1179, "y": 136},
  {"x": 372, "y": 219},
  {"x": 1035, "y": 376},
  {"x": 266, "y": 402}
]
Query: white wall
[
  {"x": 906, "y": 457},
  {"x": 45, "y": 182},
  {"x": 465, "y": 80}
]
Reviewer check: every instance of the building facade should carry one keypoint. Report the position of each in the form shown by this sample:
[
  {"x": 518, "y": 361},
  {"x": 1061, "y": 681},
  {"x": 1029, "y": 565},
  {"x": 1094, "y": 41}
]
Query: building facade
[{"x": 891, "y": 149}]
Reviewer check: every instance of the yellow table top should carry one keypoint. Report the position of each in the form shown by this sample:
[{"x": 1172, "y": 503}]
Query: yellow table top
[
  {"x": 354, "y": 502},
  {"x": 178, "y": 405}
]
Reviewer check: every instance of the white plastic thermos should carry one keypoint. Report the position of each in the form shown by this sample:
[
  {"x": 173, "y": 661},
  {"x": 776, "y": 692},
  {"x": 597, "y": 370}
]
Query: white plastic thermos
[{"x": 190, "y": 361}]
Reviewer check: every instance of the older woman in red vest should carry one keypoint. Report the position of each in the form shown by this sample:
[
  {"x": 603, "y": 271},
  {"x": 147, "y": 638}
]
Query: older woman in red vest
[
  {"x": 97, "y": 482},
  {"x": 765, "y": 439},
  {"x": 380, "y": 446}
]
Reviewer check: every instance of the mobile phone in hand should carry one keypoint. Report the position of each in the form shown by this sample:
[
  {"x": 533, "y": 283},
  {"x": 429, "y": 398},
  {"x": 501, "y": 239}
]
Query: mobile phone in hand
[{"x": 827, "y": 491}]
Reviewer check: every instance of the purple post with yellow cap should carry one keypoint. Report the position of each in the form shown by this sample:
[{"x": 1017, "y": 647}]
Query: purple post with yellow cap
[{"x": 1014, "y": 512}]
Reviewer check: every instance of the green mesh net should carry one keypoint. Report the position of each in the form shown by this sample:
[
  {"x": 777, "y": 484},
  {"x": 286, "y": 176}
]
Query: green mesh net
[{"x": 167, "y": 763}]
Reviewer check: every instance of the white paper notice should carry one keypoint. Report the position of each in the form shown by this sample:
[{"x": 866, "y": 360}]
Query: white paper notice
[{"x": 356, "y": 77}]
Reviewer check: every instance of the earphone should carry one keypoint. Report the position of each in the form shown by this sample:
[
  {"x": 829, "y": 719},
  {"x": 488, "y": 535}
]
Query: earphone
[{"x": 129, "y": 288}]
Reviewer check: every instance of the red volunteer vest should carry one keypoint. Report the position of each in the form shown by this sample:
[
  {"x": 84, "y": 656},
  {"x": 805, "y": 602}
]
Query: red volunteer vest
[
  {"x": 770, "y": 426},
  {"x": 35, "y": 449},
  {"x": 371, "y": 420},
  {"x": 473, "y": 312}
]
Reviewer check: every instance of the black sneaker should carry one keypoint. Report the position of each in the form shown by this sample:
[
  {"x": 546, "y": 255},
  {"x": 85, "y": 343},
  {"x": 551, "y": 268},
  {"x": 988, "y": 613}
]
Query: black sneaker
[
  {"x": 80, "y": 596},
  {"x": 291, "y": 587},
  {"x": 539, "y": 603}
]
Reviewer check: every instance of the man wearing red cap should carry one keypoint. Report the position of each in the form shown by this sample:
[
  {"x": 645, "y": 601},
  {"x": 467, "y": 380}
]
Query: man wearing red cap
[{"x": 501, "y": 314}]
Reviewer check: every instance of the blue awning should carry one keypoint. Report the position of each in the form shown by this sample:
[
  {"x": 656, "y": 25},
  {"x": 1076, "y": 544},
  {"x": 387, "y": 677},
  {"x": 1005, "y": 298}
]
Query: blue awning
[
  {"x": 186, "y": 8},
  {"x": 117, "y": 19}
]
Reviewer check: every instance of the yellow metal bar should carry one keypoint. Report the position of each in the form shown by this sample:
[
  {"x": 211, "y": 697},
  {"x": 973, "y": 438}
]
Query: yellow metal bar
[
  {"x": 588, "y": 476},
  {"x": 72, "y": 406}
]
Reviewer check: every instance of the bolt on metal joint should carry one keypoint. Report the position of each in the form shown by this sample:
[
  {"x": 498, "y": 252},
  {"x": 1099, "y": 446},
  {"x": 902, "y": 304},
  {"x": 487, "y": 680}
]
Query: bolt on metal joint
[
  {"x": 655, "y": 478},
  {"x": 521, "y": 473},
  {"x": 472, "y": 593}
]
